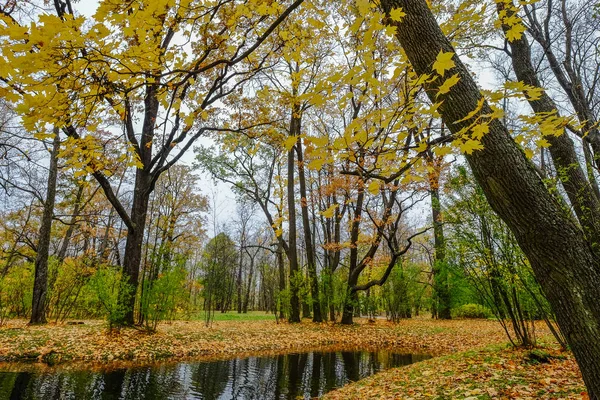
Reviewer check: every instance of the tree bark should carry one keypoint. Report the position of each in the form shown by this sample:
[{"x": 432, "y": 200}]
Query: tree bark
[
  {"x": 352, "y": 295},
  {"x": 292, "y": 247},
  {"x": 133, "y": 246},
  {"x": 562, "y": 260},
  {"x": 40, "y": 283},
  {"x": 281, "y": 268},
  {"x": 310, "y": 251},
  {"x": 440, "y": 276}
]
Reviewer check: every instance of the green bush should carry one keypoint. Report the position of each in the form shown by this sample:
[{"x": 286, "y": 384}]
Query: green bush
[
  {"x": 106, "y": 284},
  {"x": 472, "y": 311},
  {"x": 16, "y": 289},
  {"x": 161, "y": 297}
]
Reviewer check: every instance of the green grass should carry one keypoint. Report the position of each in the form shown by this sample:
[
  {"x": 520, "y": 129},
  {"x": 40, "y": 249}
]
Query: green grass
[{"x": 234, "y": 316}]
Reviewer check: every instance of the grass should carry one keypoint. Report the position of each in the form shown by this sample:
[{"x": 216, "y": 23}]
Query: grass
[{"x": 234, "y": 316}]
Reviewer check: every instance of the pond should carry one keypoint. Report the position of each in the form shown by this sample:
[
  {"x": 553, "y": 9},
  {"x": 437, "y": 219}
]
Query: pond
[{"x": 289, "y": 376}]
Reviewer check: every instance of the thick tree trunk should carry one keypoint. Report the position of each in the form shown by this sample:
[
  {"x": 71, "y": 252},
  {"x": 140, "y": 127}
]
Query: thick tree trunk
[
  {"x": 310, "y": 251},
  {"x": 40, "y": 283},
  {"x": 562, "y": 260},
  {"x": 133, "y": 246}
]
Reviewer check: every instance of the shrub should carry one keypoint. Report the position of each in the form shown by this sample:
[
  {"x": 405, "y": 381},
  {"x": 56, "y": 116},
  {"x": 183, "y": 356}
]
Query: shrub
[
  {"x": 472, "y": 311},
  {"x": 162, "y": 296},
  {"x": 106, "y": 284}
]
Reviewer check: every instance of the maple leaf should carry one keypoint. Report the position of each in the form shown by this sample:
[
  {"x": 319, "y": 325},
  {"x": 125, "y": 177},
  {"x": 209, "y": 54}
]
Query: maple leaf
[
  {"x": 469, "y": 146},
  {"x": 442, "y": 151},
  {"x": 479, "y": 130},
  {"x": 290, "y": 142},
  {"x": 447, "y": 85},
  {"x": 443, "y": 62},
  {"x": 397, "y": 14},
  {"x": 515, "y": 32}
]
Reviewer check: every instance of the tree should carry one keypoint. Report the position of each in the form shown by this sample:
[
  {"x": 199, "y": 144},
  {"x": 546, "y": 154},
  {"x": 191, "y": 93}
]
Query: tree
[
  {"x": 138, "y": 66},
  {"x": 219, "y": 262},
  {"x": 562, "y": 259},
  {"x": 40, "y": 283}
]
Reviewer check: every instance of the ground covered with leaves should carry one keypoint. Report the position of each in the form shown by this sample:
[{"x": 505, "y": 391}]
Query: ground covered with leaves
[
  {"x": 496, "y": 372},
  {"x": 91, "y": 341},
  {"x": 472, "y": 360}
]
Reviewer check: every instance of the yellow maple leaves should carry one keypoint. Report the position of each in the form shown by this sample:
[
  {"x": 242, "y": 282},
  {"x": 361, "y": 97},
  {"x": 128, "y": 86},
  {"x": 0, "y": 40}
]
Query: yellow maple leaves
[
  {"x": 397, "y": 14},
  {"x": 448, "y": 84},
  {"x": 443, "y": 62},
  {"x": 510, "y": 21}
]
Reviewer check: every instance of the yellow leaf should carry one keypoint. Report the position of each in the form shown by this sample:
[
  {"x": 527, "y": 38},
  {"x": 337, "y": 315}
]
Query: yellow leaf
[
  {"x": 397, "y": 14},
  {"x": 515, "y": 32},
  {"x": 442, "y": 151},
  {"x": 480, "y": 130},
  {"x": 470, "y": 146},
  {"x": 480, "y": 104},
  {"x": 316, "y": 164},
  {"x": 290, "y": 142},
  {"x": 329, "y": 212},
  {"x": 443, "y": 62},
  {"x": 447, "y": 85},
  {"x": 374, "y": 188}
]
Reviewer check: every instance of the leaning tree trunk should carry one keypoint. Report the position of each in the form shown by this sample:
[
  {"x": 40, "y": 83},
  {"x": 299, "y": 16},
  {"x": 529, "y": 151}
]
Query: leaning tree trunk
[
  {"x": 40, "y": 283},
  {"x": 563, "y": 261}
]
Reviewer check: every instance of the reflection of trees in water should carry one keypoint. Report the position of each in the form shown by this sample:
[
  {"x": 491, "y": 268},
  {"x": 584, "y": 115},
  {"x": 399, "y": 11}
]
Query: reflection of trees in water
[{"x": 289, "y": 376}]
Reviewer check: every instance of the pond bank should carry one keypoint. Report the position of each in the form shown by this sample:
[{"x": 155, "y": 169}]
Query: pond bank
[
  {"x": 495, "y": 372},
  {"x": 91, "y": 342}
]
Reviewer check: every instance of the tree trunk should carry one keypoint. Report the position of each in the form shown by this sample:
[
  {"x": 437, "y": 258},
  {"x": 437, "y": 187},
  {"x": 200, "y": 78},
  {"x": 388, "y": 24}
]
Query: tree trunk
[
  {"x": 133, "y": 247},
  {"x": 40, "y": 283},
  {"x": 440, "y": 276},
  {"x": 238, "y": 280},
  {"x": 281, "y": 268},
  {"x": 292, "y": 247},
  {"x": 310, "y": 251},
  {"x": 351, "y": 294},
  {"x": 562, "y": 260},
  {"x": 249, "y": 286}
]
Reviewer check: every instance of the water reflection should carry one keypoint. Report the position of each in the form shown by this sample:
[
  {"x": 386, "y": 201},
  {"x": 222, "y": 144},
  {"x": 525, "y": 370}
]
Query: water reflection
[{"x": 272, "y": 377}]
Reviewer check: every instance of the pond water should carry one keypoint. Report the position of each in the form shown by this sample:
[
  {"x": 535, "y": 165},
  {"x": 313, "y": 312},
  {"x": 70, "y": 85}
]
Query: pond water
[{"x": 290, "y": 376}]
